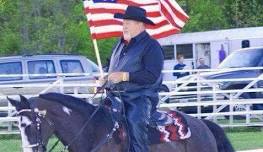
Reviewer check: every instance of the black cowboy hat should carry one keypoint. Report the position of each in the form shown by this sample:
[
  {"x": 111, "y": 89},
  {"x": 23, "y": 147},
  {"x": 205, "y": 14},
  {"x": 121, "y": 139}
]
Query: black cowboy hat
[{"x": 134, "y": 13}]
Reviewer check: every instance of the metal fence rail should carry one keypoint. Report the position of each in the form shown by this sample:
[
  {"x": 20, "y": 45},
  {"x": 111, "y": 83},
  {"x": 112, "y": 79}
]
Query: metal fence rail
[{"x": 216, "y": 98}]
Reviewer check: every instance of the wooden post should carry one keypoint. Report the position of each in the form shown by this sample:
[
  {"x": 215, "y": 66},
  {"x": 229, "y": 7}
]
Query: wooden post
[{"x": 98, "y": 56}]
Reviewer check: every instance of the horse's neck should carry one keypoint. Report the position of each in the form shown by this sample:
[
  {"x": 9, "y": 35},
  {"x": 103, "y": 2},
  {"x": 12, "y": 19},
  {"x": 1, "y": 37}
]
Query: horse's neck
[
  {"x": 69, "y": 128},
  {"x": 68, "y": 123},
  {"x": 95, "y": 130}
]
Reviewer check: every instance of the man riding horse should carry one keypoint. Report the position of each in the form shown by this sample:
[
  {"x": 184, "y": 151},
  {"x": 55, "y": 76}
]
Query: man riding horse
[{"x": 135, "y": 71}]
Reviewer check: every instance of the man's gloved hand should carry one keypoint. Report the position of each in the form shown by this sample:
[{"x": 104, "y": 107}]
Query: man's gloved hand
[
  {"x": 117, "y": 77},
  {"x": 101, "y": 81},
  {"x": 99, "y": 84}
]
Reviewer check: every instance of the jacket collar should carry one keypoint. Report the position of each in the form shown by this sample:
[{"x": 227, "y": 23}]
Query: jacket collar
[{"x": 136, "y": 38}]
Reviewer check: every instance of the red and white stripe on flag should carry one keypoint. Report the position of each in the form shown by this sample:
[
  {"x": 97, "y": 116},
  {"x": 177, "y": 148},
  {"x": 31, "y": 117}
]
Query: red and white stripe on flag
[{"x": 168, "y": 16}]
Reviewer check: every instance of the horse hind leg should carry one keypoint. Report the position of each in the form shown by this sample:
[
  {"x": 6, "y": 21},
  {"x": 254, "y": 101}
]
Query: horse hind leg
[
  {"x": 223, "y": 143},
  {"x": 202, "y": 139}
]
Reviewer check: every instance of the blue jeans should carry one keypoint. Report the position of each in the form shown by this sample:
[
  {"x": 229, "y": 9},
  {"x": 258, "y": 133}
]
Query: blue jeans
[{"x": 137, "y": 112}]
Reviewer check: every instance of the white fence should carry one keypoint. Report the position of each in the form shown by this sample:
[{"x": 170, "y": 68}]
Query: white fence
[
  {"x": 209, "y": 90},
  {"x": 217, "y": 98},
  {"x": 79, "y": 87}
]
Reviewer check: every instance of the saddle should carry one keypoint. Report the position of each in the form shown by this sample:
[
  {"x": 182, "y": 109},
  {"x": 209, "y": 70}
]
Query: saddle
[
  {"x": 167, "y": 125},
  {"x": 171, "y": 125}
]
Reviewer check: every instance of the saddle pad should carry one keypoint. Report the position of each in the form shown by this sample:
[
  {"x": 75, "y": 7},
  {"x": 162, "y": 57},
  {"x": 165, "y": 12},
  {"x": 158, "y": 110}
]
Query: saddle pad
[
  {"x": 178, "y": 130},
  {"x": 160, "y": 118},
  {"x": 175, "y": 129}
]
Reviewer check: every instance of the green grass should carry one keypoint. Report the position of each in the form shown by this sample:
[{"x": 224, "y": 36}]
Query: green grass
[
  {"x": 246, "y": 140},
  {"x": 241, "y": 139},
  {"x": 12, "y": 143}
]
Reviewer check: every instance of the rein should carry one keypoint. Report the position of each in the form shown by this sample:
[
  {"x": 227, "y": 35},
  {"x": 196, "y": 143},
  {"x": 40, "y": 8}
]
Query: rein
[
  {"x": 84, "y": 126},
  {"x": 38, "y": 124},
  {"x": 108, "y": 136},
  {"x": 81, "y": 130},
  {"x": 87, "y": 122},
  {"x": 43, "y": 113}
]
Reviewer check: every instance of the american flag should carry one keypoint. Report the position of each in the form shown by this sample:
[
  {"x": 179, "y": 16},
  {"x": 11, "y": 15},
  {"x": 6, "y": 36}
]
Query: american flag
[{"x": 168, "y": 16}]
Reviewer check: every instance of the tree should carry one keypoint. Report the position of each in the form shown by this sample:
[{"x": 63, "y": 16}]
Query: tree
[
  {"x": 240, "y": 13},
  {"x": 204, "y": 15},
  {"x": 60, "y": 26},
  {"x": 9, "y": 36},
  {"x": 50, "y": 26}
]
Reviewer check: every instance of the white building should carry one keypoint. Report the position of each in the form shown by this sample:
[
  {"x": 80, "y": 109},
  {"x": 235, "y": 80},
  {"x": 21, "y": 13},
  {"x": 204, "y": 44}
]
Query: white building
[{"x": 207, "y": 45}]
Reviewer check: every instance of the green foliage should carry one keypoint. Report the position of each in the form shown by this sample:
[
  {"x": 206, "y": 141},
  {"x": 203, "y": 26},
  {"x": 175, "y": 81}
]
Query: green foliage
[
  {"x": 9, "y": 41},
  {"x": 220, "y": 14},
  {"x": 59, "y": 26},
  {"x": 205, "y": 15},
  {"x": 240, "y": 13},
  {"x": 51, "y": 26}
]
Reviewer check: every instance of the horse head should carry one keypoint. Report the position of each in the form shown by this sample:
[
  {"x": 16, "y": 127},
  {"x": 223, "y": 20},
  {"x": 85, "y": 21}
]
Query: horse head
[{"x": 34, "y": 126}]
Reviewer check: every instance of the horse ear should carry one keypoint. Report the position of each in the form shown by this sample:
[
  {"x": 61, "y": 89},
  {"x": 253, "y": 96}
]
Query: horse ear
[
  {"x": 23, "y": 98},
  {"x": 24, "y": 102},
  {"x": 14, "y": 103}
]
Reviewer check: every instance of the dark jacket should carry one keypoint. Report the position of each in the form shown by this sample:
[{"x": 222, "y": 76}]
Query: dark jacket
[
  {"x": 180, "y": 67},
  {"x": 143, "y": 59}
]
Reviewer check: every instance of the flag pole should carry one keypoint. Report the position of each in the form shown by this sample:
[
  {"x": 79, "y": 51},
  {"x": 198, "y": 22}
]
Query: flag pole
[{"x": 95, "y": 44}]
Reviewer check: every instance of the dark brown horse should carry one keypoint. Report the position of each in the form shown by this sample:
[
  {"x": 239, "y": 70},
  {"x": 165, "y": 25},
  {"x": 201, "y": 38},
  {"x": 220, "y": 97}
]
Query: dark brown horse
[{"x": 67, "y": 117}]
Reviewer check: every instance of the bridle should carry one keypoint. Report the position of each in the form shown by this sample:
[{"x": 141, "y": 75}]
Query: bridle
[
  {"x": 41, "y": 115},
  {"x": 38, "y": 116}
]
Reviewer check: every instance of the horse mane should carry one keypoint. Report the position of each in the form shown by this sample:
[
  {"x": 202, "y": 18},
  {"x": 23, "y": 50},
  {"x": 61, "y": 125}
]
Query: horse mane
[{"x": 70, "y": 102}]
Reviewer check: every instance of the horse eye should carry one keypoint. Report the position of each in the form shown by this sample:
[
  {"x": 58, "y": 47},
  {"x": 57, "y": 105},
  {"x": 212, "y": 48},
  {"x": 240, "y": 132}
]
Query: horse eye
[
  {"x": 23, "y": 125},
  {"x": 16, "y": 123}
]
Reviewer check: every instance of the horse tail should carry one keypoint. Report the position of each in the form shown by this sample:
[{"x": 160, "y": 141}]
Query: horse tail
[{"x": 223, "y": 143}]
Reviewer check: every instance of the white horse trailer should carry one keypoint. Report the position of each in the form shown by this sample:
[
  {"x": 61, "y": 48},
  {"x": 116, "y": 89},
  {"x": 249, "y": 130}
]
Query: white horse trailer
[{"x": 208, "y": 45}]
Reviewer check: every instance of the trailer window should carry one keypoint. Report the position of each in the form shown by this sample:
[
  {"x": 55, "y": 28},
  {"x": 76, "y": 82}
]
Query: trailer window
[
  {"x": 185, "y": 49},
  {"x": 168, "y": 51}
]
